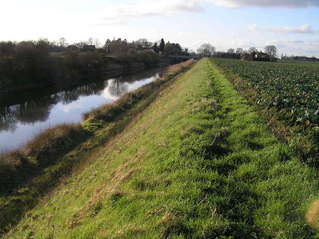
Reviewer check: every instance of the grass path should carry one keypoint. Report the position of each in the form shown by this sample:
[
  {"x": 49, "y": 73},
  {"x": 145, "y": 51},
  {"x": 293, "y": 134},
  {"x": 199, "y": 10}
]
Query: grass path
[{"x": 197, "y": 163}]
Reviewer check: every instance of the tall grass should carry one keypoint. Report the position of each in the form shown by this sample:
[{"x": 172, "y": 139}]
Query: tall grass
[{"x": 18, "y": 167}]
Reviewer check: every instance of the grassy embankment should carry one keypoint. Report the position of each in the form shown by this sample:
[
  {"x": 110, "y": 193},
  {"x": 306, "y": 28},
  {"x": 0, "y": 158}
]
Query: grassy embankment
[
  {"x": 197, "y": 163},
  {"x": 31, "y": 172}
]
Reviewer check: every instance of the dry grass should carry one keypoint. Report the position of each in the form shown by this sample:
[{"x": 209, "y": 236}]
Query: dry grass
[
  {"x": 312, "y": 216},
  {"x": 16, "y": 167},
  {"x": 178, "y": 67},
  {"x": 48, "y": 141}
]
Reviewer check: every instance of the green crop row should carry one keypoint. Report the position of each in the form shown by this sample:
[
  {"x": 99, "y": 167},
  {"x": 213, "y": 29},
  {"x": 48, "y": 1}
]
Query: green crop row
[{"x": 290, "y": 88}]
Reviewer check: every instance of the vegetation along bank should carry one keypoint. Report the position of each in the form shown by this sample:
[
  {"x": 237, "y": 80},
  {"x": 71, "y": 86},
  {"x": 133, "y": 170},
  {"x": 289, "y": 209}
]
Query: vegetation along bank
[
  {"x": 36, "y": 64},
  {"x": 31, "y": 172}
]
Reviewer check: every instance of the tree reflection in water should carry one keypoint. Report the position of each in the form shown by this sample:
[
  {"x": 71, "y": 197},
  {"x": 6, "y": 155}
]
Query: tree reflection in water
[
  {"x": 117, "y": 88},
  {"x": 24, "y": 116}
]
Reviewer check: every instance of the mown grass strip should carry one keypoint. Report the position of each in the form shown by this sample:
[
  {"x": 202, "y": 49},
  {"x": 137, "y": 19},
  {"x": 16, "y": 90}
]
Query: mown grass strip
[
  {"x": 282, "y": 185},
  {"x": 197, "y": 163}
]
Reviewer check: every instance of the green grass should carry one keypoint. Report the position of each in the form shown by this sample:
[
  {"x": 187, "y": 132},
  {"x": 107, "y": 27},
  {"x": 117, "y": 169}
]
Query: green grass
[
  {"x": 33, "y": 171},
  {"x": 198, "y": 162}
]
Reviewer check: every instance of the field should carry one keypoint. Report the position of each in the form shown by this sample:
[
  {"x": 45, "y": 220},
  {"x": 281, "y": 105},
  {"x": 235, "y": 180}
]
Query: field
[
  {"x": 291, "y": 88},
  {"x": 198, "y": 162}
]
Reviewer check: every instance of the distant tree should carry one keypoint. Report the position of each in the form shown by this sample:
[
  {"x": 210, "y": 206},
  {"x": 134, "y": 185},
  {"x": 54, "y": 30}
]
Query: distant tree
[
  {"x": 172, "y": 49},
  {"x": 90, "y": 41},
  {"x": 239, "y": 50},
  {"x": 271, "y": 50},
  {"x": 43, "y": 44},
  {"x": 156, "y": 48},
  {"x": 192, "y": 53},
  {"x": 143, "y": 43},
  {"x": 162, "y": 45},
  {"x": 186, "y": 52},
  {"x": 97, "y": 43},
  {"x": 206, "y": 49},
  {"x": 32, "y": 59},
  {"x": 107, "y": 46},
  {"x": 80, "y": 44},
  {"x": 231, "y": 51},
  {"x": 7, "y": 48},
  {"x": 62, "y": 42},
  {"x": 120, "y": 48},
  {"x": 252, "y": 49}
]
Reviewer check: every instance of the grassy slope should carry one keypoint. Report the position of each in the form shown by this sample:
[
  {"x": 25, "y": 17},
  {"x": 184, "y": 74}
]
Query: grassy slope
[
  {"x": 37, "y": 168},
  {"x": 198, "y": 162}
]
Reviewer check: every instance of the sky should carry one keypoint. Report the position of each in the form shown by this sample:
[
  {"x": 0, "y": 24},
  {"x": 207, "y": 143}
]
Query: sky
[{"x": 291, "y": 25}]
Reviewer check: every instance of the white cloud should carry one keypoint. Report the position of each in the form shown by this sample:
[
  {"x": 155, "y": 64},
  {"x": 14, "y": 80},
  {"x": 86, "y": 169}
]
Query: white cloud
[
  {"x": 71, "y": 107},
  {"x": 123, "y": 13},
  {"x": 268, "y": 3},
  {"x": 297, "y": 47},
  {"x": 303, "y": 29}
]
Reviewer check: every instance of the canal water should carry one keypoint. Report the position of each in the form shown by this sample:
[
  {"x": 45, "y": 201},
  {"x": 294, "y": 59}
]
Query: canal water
[{"x": 23, "y": 117}]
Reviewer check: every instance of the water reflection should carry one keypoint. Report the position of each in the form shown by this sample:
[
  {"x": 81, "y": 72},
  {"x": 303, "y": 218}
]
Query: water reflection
[
  {"x": 29, "y": 114},
  {"x": 116, "y": 88}
]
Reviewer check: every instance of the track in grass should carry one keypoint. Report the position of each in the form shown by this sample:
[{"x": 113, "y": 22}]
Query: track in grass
[{"x": 197, "y": 163}]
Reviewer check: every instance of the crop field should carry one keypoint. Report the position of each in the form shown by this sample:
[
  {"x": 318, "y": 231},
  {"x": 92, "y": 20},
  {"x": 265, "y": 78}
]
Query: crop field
[{"x": 290, "y": 88}]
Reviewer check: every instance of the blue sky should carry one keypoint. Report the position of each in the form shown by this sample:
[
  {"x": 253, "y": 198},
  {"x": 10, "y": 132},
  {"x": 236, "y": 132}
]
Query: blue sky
[{"x": 291, "y": 25}]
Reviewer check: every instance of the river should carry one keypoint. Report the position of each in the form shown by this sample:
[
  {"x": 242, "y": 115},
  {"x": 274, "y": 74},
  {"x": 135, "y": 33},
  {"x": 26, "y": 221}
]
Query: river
[{"x": 24, "y": 116}]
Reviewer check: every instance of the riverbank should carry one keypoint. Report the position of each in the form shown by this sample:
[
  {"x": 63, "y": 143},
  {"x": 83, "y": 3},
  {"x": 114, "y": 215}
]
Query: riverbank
[
  {"x": 196, "y": 162},
  {"x": 27, "y": 115},
  {"x": 27, "y": 174}
]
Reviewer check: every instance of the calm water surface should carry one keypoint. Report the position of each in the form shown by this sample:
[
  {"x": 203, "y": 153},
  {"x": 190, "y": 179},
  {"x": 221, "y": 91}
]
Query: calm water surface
[{"x": 24, "y": 117}]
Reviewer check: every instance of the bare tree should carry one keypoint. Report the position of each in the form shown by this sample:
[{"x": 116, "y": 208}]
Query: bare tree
[
  {"x": 252, "y": 49},
  {"x": 271, "y": 50},
  {"x": 239, "y": 50},
  {"x": 62, "y": 42},
  {"x": 162, "y": 45},
  {"x": 143, "y": 43},
  {"x": 97, "y": 43},
  {"x": 206, "y": 49},
  {"x": 231, "y": 51},
  {"x": 90, "y": 41}
]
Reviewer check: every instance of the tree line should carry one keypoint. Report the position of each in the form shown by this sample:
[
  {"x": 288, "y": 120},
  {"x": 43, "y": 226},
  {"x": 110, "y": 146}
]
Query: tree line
[
  {"x": 207, "y": 50},
  {"x": 27, "y": 64}
]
